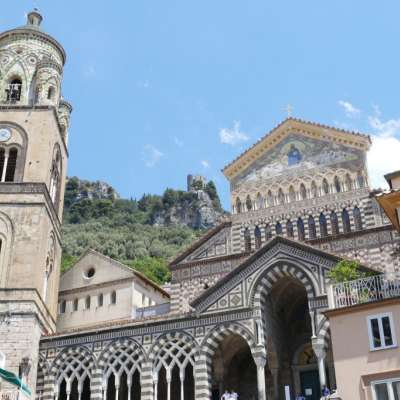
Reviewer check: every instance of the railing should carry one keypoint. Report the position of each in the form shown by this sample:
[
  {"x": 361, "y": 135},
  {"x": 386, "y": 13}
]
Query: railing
[
  {"x": 364, "y": 290},
  {"x": 152, "y": 311}
]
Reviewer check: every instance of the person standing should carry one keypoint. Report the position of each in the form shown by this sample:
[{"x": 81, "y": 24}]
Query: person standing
[
  {"x": 300, "y": 397},
  {"x": 233, "y": 395},
  {"x": 325, "y": 392},
  {"x": 226, "y": 396}
]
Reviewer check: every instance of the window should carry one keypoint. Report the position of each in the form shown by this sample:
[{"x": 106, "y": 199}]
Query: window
[
  {"x": 247, "y": 240},
  {"x": 260, "y": 202},
  {"x": 238, "y": 206},
  {"x": 63, "y": 307},
  {"x": 334, "y": 223},
  {"x": 325, "y": 186},
  {"x": 381, "y": 331},
  {"x": 289, "y": 229},
  {"x": 113, "y": 298},
  {"x": 303, "y": 191},
  {"x": 312, "y": 232},
  {"x": 292, "y": 194},
  {"x": 346, "y": 221},
  {"x": 337, "y": 184},
  {"x": 8, "y": 164},
  {"x": 322, "y": 225},
  {"x": 143, "y": 299},
  {"x": 360, "y": 180},
  {"x": 386, "y": 390},
  {"x": 357, "y": 218},
  {"x": 50, "y": 93},
  {"x": 349, "y": 184},
  {"x": 75, "y": 305},
  {"x": 100, "y": 300},
  {"x": 268, "y": 232},
  {"x": 278, "y": 228},
  {"x": 249, "y": 204},
  {"x": 14, "y": 90},
  {"x": 87, "y": 302},
  {"x": 257, "y": 236},
  {"x": 314, "y": 190},
  {"x": 281, "y": 197},
  {"x": 270, "y": 198},
  {"x": 300, "y": 229}
]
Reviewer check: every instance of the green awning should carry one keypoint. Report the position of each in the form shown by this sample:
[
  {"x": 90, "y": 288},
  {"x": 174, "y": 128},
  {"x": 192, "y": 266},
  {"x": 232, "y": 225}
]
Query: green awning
[{"x": 14, "y": 380}]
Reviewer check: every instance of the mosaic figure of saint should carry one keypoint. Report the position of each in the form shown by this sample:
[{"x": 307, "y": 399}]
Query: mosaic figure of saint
[{"x": 294, "y": 155}]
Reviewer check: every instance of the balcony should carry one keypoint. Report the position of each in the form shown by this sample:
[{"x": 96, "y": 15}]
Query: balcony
[{"x": 364, "y": 290}]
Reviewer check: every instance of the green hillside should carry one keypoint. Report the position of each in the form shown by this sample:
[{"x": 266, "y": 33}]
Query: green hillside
[{"x": 140, "y": 233}]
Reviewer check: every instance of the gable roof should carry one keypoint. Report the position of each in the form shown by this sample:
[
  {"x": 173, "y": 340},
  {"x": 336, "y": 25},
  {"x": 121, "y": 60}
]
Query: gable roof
[
  {"x": 199, "y": 242},
  {"x": 131, "y": 271},
  {"x": 200, "y": 300},
  {"x": 286, "y": 127}
]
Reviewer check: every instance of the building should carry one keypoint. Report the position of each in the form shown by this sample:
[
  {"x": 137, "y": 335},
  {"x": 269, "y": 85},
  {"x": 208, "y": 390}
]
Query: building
[
  {"x": 367, "y": 365},
  {"x": 245, "y": 307},
  {"x": 390, "y": 200}
]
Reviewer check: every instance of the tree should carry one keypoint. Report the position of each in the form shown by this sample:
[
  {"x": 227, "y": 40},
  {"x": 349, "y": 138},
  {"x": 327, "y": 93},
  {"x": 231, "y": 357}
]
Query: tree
[{"x": 345, "y": 271}]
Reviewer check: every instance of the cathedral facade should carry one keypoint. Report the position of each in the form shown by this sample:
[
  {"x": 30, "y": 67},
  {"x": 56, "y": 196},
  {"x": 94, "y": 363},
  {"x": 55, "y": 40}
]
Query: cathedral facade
[{"x": 245, "y": 306}]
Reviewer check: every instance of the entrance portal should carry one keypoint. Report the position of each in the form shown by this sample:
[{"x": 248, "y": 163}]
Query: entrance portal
[{"x": 233, "y": 368}]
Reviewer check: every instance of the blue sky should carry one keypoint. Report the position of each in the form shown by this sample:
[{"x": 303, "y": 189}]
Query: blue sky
[{"x": 162, "y": 88}]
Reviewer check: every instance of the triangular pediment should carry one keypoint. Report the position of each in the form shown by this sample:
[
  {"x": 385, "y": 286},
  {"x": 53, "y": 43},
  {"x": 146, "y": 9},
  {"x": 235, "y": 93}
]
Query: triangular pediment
[
  {"x": 280, "y": 257},
  {"x": 214, "y": 243},
  {"x": 270, "y": 152}
]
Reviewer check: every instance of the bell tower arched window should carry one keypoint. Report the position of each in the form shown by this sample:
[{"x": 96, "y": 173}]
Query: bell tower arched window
[
  {"x": 337, "y": 184},
  {"x": 8, "y": 164},
  {"x": 270, "y": 198},
  {"x": 325, "y": 186},
  {"x": 268, "y": 232},
  {"x": 292, "y": 194},
  {"x": 260, "y": 202},
  {"x": 281, "y": 197},
  {"x": 55, "y": 178},
  {"x": 14, "y": 90},
  {"x": 349, "y": 185},
  {"x": 278, "y": 228},
  {"x": 238, "y": 206},
  {"x": 303, "y": 191}
]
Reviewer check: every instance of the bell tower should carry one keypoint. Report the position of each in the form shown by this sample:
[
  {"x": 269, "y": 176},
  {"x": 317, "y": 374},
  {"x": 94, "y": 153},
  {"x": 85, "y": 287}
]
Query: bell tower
[{"x": 34, "y": 121}]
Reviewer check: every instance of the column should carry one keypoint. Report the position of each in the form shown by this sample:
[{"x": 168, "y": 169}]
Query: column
[
  {"x": 155, "y": 389},
  {"x": 3, "y": 175},
  {"x": 148, "y": 382},
  {"x": 320, "y": 353},
  {"x": 202, "y": 377},
  {"x": 129, "y": 384},
  {"x": 182, "y": 378},
  {"x": 260, "y": 363},
  {"x": 168, "y": 384},
  {"x": 275, "y": 377}
]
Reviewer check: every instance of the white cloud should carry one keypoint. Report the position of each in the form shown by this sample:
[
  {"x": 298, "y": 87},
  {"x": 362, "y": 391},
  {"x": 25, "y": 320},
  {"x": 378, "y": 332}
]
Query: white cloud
[
  {"x": 89, "y": 71},
  {"x": 349, "y": 109},
  {"x": 151, "y": 155},
  {"x": 178, "y": 142},
  {"x": 384, "y": 128},
  {"x": 233, "y": 136},
  {"x": 383, "y": 156},
  {"x": 205, "y": 163}
]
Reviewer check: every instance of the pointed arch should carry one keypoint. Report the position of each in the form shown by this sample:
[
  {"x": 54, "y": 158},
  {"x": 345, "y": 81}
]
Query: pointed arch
[
  {"x": 349, "y": 184},
  {"x": 270, "y": 199},
  {"x": 281, "y": 196},
  {"x": 312, "y": 232},
  {"x": 334, "y": 223},
  {"x": 249, "y": 203},
  {"x": 346, "y": 221},
  {"x": 292, "y": 194},
  {"x": 325, "y": 186},
  {"x": 238, "y": 206},
  {"x": 336, "y": 184},
  {"x": 323, "y": 229},
  {"x": 300, "y": 229},
  {"x": 260, "y": 201},
  {"x": 278, "y": 228},
  {"x": 303, "y": 191},
  {"x": 257, "y": 237},
  {"x": 358, "y": 225},
  {"x": 314, "y": 190}
]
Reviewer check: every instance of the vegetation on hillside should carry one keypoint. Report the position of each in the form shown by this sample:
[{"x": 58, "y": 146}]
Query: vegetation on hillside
[{"x": 124, "y": 229}]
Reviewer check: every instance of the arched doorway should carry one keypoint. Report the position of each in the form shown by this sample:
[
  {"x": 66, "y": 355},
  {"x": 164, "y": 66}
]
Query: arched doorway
[
  {"x": 289, "y": 328},
  {"x": 233, "y": 368}
]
